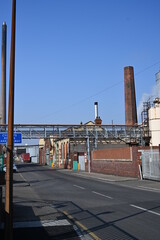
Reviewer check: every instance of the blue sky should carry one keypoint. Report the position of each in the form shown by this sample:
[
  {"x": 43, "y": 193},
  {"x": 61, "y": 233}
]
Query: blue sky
[{"x": 71, "y": 53}]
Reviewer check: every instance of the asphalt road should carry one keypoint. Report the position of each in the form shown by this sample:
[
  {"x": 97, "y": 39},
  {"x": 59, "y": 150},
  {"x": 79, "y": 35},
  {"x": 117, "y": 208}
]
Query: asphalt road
[{"x": 105, "y": 210}]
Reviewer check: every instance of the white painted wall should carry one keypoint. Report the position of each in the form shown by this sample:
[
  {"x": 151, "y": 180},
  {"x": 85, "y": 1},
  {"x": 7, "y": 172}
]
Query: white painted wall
[
  {"x": 154, "y": 124},
  {"x": 34, "y": 153}
]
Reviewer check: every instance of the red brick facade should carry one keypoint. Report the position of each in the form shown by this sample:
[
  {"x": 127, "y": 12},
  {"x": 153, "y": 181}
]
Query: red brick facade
[
  {"x": 119, "y": 161},
  {"x": 42, "y": 152}
]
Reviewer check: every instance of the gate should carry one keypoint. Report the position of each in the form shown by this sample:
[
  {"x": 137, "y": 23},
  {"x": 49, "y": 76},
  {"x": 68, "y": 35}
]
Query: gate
[
  {"x": 151, "y": 165},
  {"x": 81, "y": 163}
]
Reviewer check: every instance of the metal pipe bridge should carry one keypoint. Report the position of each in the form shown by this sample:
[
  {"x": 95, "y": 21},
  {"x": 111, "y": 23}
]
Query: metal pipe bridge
[{"x": 124, "y": 133}]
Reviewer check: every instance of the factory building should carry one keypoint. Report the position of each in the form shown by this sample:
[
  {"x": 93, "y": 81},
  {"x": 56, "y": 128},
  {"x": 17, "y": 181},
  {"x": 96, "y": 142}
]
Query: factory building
[
  {"x": 72, "y": 152},
  {"x": 112, "y": 156}
]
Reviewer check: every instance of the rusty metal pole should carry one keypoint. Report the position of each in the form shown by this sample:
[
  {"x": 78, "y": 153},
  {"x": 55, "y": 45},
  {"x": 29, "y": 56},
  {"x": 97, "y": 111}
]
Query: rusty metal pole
[{"x": 9, "y": 163}]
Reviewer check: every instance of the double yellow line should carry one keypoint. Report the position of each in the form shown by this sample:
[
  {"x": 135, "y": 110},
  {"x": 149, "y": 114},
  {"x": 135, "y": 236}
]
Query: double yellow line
[{"x": 94, "y": 236}]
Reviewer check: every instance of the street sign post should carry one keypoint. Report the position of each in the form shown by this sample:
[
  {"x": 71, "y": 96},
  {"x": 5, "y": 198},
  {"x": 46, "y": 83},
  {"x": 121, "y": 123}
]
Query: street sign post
[{"x": 17, "y": 137}]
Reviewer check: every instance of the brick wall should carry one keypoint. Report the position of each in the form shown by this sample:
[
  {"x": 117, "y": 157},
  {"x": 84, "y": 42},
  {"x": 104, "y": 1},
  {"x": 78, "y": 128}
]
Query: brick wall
[
  {"x": 42, "y": 156},
  {"x": 42, "y": 151},
  {"x": 112, "y": 154},
  {"x": 119, "y": 161}
]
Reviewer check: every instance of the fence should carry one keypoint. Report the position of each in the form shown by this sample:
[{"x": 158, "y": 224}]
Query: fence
[{"x": 151, "y": 164}]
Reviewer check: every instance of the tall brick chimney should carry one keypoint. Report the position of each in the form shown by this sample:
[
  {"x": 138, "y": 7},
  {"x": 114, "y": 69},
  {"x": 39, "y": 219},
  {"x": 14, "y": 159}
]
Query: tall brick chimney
[
  {"x": 3, "y": 74},
  {"x": 130, "y": 96}
]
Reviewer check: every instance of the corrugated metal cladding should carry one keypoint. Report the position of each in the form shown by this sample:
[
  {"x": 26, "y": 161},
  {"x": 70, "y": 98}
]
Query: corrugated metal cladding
[{"x": 34, "y": 153}]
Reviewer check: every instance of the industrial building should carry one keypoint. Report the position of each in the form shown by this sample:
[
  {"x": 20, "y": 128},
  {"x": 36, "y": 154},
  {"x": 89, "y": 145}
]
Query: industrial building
[
  {"x": 74, "y": 150},
  {"x": 113, "y": 152},
  {"x": 111, "y": 149}
]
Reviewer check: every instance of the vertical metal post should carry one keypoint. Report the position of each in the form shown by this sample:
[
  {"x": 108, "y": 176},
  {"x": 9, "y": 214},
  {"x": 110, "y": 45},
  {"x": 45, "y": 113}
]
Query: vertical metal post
[
  {"x": 74, "y": 133},
  {"x": 96, "y": 138},
  {"x": 45, "y": 134},
  {"x": 9, "y": 163},
  {"x": 106, "y": 133},
  {"x": 88, "y": 150},
  {"x": 30, "y": 133}
]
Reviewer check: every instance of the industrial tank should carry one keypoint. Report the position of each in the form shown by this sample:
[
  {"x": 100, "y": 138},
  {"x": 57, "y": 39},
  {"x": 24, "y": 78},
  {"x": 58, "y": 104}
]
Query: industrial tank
[{"x": 154, "y": 123}]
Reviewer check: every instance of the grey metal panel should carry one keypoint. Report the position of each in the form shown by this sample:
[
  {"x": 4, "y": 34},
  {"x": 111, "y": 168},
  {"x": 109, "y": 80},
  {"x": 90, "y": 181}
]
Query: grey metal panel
[
  {"x": 34, "y": 159},
  {"x": 81, "y": 163},
  {"x": 151, "y": 165}
]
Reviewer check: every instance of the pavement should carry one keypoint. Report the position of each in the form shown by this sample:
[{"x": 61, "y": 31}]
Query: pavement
[
  {"x": 148, "y": 185},
  {"x": 98, "y": 176},
  {"x": 35, "y": 219}
]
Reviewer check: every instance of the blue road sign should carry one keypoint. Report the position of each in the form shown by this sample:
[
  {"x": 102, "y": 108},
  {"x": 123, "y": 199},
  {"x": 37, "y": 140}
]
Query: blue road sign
[{"x": 17, "y": 137}]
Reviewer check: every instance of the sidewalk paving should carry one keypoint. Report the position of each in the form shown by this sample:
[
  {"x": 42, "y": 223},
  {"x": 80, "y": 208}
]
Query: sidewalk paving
[
  {"x": 148, "y": 185},
  {"x": 101, "y": 176}
]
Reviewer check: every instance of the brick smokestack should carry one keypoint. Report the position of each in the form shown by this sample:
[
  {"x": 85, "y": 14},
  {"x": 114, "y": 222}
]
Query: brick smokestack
[
  {"x": 3, "y": 74},
  {"x": 130, "y": 96}
]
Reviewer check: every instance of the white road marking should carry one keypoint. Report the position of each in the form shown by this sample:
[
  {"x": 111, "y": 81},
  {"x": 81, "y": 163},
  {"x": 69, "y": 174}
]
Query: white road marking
[
  {"x": 78, "y": 186},
  {"x": 102, "y": 195},
  {"x": 37, "y": 224},
  {"x": 22, "y": 177},
  {"x": 144, "y": 209}
]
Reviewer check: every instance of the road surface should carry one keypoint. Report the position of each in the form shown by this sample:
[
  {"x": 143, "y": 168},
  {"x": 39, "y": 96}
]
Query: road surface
[{"x": 102, "y": 210}]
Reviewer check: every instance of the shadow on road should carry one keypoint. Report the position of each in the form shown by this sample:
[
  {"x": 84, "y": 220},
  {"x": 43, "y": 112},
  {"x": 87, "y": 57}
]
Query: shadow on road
[
  {"x": 24, "y": 215},
  {"x": 94, "y": 222}
]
